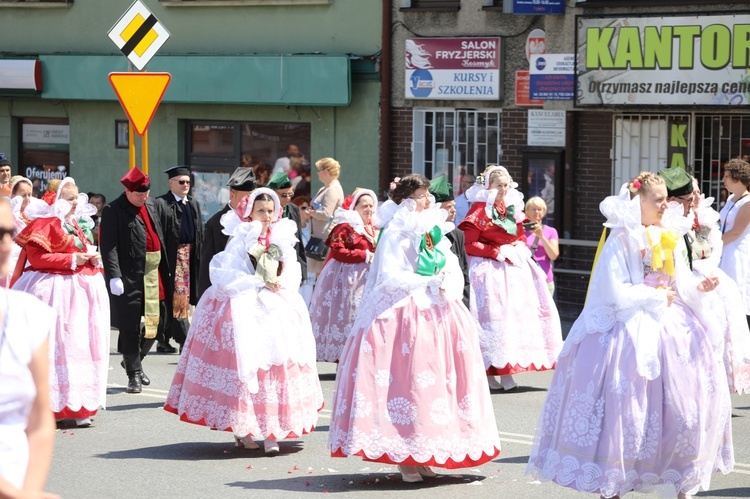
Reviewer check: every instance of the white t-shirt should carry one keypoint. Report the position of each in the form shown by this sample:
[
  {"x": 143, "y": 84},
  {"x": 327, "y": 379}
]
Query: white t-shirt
[
  {"x": 282, "y": 165},
  {"x": 21, "y": 332}
]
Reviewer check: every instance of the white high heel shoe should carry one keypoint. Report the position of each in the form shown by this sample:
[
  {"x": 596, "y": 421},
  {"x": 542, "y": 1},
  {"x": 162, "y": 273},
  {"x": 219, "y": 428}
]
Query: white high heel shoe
[
  {"x": 271, "y": 446},
  {"x": 245, "y": 443},
  {"x": 410, "y": 474},
  {"x": 426, "y": 471}
]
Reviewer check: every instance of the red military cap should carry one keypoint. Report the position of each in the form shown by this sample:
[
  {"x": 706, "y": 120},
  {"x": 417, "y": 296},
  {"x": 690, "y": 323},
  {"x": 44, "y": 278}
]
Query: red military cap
[{"x": 135, "y": 180}]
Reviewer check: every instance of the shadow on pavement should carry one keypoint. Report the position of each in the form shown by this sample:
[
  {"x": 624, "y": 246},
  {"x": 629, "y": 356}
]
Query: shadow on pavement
[
  {"x": 321, "y": 428},
  {"x": 738, "y": 492},
  {"x": 201, "y": 451},
  {"x": 128, "y": 407},
  {"x": 327, "y": 377},
  {"x": 513, "y": 460},
  {"x": 369, "y": 483},
  {"x": 520, "y": 389}
]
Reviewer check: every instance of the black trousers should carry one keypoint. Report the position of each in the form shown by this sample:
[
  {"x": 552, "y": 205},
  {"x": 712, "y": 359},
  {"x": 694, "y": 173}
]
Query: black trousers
[
  {"x": 176, "y": 329},
  {"x": 135, "y": 342}
]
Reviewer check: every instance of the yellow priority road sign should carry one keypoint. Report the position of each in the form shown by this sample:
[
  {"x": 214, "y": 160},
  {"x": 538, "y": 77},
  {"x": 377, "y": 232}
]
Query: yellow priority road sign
[
  {"x": 138, "y": 34},
  {"x": 140, "y": 95}
]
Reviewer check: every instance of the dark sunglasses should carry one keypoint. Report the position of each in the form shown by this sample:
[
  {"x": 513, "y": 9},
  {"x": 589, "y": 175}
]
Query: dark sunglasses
[
  {"x": 287, "y": 195},
  {"x": 7, "y": 232},
  {"x": 183, "y": 182}
]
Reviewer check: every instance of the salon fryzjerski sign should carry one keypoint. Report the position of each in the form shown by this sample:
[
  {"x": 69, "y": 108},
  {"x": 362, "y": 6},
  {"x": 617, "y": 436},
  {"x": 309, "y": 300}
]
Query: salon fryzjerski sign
[{"x": 690, "y": 60}]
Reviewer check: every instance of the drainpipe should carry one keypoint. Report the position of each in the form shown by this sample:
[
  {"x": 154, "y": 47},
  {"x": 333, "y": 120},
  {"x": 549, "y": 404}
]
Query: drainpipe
[{"x": 385, "y": 98}]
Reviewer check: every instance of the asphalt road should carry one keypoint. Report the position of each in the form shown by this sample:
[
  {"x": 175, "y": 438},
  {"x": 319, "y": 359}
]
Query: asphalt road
[{"x": 135, "y": 449}]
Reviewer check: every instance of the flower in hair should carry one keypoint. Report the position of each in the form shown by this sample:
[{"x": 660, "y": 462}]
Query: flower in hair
[
  {"x": 635, "y": 186},
  {"x": 395, "y": 183}
]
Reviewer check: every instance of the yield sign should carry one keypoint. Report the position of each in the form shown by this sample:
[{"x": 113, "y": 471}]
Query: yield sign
[{"x": 140, "y": 95}]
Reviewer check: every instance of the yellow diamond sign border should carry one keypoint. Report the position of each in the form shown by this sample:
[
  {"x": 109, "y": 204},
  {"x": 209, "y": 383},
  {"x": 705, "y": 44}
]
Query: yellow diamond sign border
[
  {"x": 138, "y": 34},
  {"x": 140, "y": 95}
]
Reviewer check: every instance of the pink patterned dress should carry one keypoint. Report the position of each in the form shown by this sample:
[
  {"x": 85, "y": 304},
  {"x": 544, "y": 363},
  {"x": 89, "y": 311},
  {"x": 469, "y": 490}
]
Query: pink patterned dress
[
  {"x": 79, "y": 347},
  {"x": 638, "y": 400},
  {"x": 248, "y": 364},
  {"x": 339, "y": 289},
  {"x": 411, "y": 387}
]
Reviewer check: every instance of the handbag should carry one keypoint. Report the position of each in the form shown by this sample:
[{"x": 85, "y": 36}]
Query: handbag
[{"x": 316, "y": 247}]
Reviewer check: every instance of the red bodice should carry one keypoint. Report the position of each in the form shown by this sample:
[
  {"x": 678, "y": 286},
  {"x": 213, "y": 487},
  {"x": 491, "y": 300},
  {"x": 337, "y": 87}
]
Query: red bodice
[{"x": 484, "y": 238}]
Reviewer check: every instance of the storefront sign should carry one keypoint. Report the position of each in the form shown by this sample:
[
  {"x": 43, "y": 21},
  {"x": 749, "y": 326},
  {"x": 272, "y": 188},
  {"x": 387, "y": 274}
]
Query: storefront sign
[
  {"x": 539, "y": 6},
  {"x": 552, "y": 76},
  {"x": 689, "y": 60},
  {"x": 453, "y": 68},
  {"x": 677, "y": 148},
  {"x": 40, "y": 175},
  {"x": 45, "y": 136},
  {"x": 522, "y": 91},
  {"x": 546, "y": 128}
]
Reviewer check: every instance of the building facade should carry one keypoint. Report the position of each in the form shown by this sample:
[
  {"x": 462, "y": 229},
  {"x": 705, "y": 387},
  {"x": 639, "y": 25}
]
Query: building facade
[
  {"x": 625, "y": 86},
  {"x": 248, "y": 78}
]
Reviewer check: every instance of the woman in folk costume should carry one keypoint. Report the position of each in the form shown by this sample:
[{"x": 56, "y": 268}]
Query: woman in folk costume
[
  {"x": 341, "y": 284},
  {"x": 248, "y": 364},
  {"x": 638, "y": 401},
  {"x": 64, "y": 271},
  {"x": 519, "y": 327},
  {"x": 707, "y": 248},
  {"x": 410, "y": 388},
  {"x": 21, "y": 189}
]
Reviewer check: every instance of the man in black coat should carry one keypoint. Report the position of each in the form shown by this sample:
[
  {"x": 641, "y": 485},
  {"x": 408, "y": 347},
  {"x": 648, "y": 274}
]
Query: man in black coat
[
  {"x": 180, "y": 218},
  {"x": 443, "y": 193},
  {"x": 282, "y": 185},
  {"x": 241, "y": 184},
  {"x": 136, "y": 270}
]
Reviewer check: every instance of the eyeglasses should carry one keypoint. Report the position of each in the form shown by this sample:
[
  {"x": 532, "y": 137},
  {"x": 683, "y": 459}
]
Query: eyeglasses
[
  {"x": 183, "y": 182},
  {"x": 320, "y": 169},
  {"x": 419, "y": 198},
  {"x": 287, "y": 195},
  {"x": 304, "y": 208},
  {"x": 4, "y": 231}
]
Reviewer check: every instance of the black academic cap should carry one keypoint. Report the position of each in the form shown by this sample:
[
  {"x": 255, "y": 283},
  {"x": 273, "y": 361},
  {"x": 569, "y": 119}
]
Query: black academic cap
[
  {"x": 242, "y": 179},
  {"x": 176, "y": 171}
]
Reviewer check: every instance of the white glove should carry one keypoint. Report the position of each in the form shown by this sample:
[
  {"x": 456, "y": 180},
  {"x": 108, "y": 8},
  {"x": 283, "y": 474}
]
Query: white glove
[
  {"x": 435, "y": 282},
  {"x": 369, "y": 255},
  {"x": 509, "y": 252},
  {"x": 116, "y": 286}
]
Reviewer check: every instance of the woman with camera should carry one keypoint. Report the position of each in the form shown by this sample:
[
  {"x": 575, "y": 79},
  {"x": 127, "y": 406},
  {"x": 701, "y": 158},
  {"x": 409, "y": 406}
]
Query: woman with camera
[
  {"x": 519, "y": 325},
  {"x": 341, "y": 284},
  {"x": 410, "y": 388},
  {"x": 248, "y": 364},
  {"x": 541, "y": 239}
]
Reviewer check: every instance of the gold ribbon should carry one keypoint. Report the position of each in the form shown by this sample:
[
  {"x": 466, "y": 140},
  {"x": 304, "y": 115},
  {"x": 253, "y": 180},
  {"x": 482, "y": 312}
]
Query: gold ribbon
[
  {"x": 663, "y": 243},
  {"x": 151, "y": 293}
]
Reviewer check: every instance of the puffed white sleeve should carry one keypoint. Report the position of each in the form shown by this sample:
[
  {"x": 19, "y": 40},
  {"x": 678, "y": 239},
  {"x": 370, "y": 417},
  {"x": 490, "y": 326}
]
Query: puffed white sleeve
[
  {"x": 231, "y": 270},
  {"x": 453, "y": 283},
  {"x": 395, "y": 257},
  {"x": 285, "y": 237}
]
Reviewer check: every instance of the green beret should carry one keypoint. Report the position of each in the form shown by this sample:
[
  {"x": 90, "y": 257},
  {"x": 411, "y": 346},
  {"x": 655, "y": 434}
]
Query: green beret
[
  {"x": 441, "y": 189},
  {"x": 279, "y": 181},
  {"x": 678, "y": 181}
]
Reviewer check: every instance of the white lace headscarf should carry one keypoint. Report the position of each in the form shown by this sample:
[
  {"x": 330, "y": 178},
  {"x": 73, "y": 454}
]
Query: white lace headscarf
[
  {"x": 351, "y": 216},
  {"x": 481, "y": 192},
  {"x": 60, "y": 207}
]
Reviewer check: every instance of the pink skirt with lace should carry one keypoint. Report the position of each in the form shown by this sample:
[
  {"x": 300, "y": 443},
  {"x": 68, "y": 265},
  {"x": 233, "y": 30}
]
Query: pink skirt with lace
[
  {"x": 519, "y": 327},
  {"x": 411, "y": 389},
  {"x": 79, "y": 350},
  {"x": 207, "y": 390},
  {"x": 334, "y": 304}
]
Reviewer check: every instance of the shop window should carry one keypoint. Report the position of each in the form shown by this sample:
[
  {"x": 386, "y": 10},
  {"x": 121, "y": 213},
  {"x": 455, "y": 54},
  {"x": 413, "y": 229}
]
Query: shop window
[
  {"x": 45, "y": 151},
  {"x": 36, "y": 3},
  {"x": 215, "y": 149},
  {"x": 651, "y": 3},
  {"x": 235, "y": 3},
  {"x": 455, "y": 142},
  {"x": 430, "y": 4}
]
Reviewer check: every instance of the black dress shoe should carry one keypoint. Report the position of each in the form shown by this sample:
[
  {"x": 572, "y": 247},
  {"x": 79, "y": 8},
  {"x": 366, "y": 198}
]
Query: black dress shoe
[
  {"x": 165, "y": 348},
  {"x": 134, "y": 382},
  {"x": 144, "y": 379}
]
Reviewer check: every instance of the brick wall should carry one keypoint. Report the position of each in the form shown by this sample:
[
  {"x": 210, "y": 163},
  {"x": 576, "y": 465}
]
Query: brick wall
[
  {"x": 401, "y": 135},
  {"x": 513, "y": 134},
  {"x": 592, "y": 171}
]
